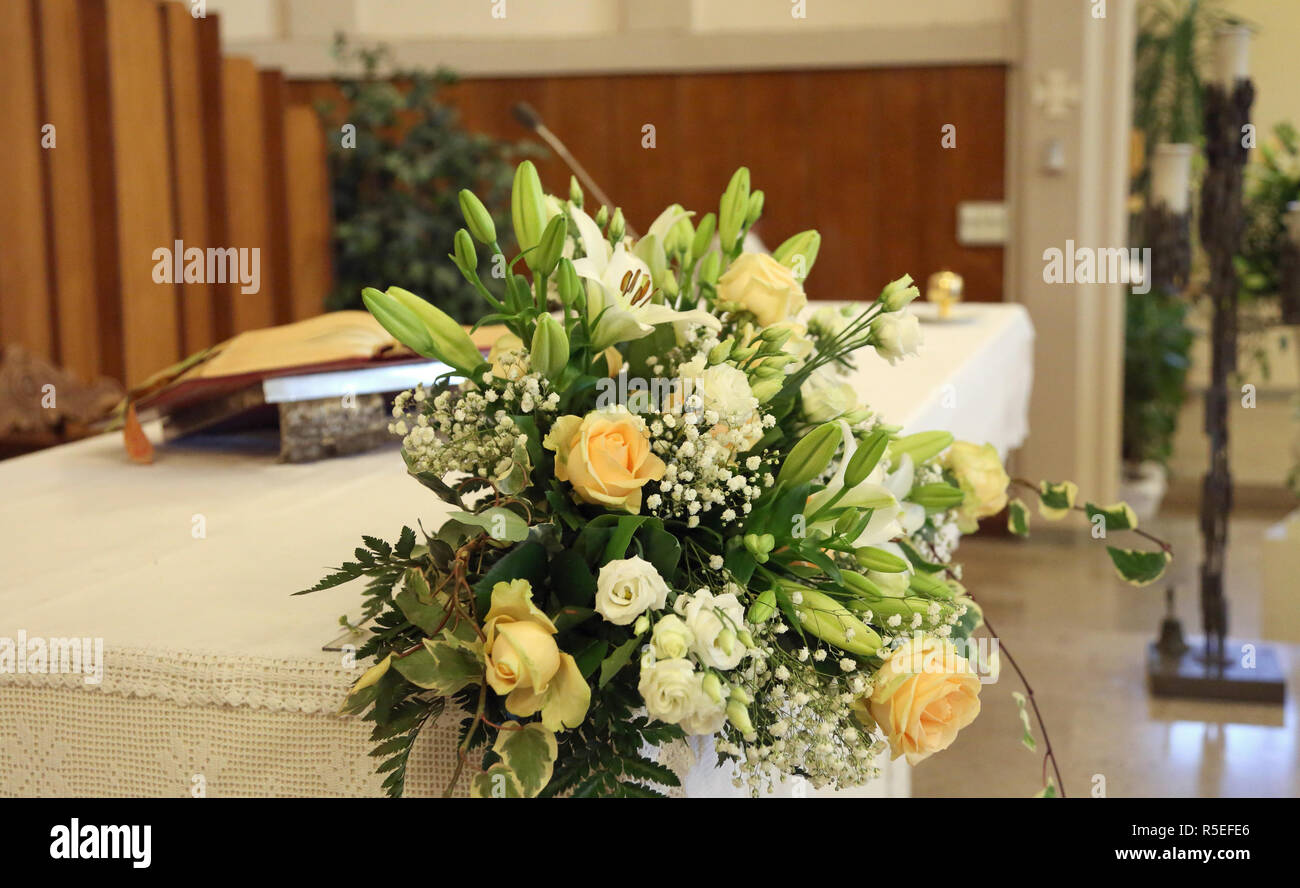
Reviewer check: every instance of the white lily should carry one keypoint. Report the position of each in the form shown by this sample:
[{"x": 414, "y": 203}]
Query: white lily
[{"x": 622, "y": 316}]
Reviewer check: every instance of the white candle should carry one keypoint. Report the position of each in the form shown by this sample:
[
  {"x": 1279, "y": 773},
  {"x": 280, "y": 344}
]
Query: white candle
[
  {"x": 1232, "y": 55},
  {"x": 1171, "y": 172}
]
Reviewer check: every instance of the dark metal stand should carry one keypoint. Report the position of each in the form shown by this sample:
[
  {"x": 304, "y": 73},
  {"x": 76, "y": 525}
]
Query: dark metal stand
[{"x": 1213, "y": 672}]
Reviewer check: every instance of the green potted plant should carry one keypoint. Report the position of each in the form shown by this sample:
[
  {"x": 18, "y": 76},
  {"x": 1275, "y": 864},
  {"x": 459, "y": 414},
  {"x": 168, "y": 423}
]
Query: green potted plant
[{"x": 399, "y": 157}]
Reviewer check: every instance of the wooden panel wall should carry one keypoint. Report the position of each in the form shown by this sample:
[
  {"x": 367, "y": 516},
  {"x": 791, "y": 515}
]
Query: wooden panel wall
[
  {"x": 854, "y": 153},
  {"x": 26, "y": 298},
  {"x": 158, "y": 139}
]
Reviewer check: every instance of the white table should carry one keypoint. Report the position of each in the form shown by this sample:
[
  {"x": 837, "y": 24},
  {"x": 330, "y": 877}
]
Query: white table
[{"x": 214, "y": 679}]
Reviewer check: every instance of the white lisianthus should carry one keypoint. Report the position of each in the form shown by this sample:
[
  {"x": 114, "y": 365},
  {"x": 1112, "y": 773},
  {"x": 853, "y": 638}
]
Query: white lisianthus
[
  {"x": 722, "y": 387},
  {"x": 708, "y": 716},
  {"x": 715, "y": 620},
  {"x": 671, "y": 638},
  {"x": 824, "y": 398},
  {"x": 627, "y": 588},
  {"x": 896, "y": 335},
  {"x": 670, "y": 688}
]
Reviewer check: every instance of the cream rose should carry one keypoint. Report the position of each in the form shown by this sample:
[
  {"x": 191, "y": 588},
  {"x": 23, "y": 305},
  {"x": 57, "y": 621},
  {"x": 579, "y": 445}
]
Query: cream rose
[
  {"x": 982, "y": 478},
  {"x": 606, "y": 456},
  {"x": 825, "y": 398},
  {"x": 670, "y": 688},
  {"x": 671, "y": 638},
  {"x": 715, "y": 621},
  {"x": 896, "y": 336},
  {"x": 760, "y": 284},
  {"x": 924, "y": 694},
  {"x": 627, "y": 588},
  {"x": 526, "y": 666}
]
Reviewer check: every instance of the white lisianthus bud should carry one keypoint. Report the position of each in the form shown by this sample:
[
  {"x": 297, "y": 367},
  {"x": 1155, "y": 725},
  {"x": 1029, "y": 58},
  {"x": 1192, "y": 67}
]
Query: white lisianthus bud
[
  {"x": 898, "y": 294},
  {"x": 627, "y": 588},
  {"x": 824, "y": 398},
  {"x": 642, "y": 624},
  {"x": 672, "y": 638},
  {"x": 895, "y": 336},
  {"x": 714, "y": 620}
]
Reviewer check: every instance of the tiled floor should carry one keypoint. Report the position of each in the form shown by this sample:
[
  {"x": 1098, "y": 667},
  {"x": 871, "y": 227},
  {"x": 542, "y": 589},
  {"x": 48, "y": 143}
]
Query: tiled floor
[{"x": 1080, "y": 636}]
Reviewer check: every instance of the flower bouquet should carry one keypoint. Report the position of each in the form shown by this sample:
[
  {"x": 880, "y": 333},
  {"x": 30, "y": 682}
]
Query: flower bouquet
[{"x": 670, "y": 516}]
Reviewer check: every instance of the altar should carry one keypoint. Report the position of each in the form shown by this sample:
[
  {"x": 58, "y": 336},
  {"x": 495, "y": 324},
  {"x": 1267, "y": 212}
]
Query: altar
[{"x": 198, "y": 673}]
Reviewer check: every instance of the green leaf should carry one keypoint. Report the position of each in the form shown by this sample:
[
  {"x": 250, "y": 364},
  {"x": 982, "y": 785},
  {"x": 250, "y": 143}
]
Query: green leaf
[
  {"x": 570, "y": 616},
  {"x": 1138, "y": 568},
  {"x": 405, "y": 543},
  {"x": 617, "y": 660},
  {"x": 529, "y": 752},
  {"x": 1048, "y": 791},
  {"x": 1018, "y": 517},
  {"x": 444, "y": 665},
  {"x": 572, "y": 579},
  {"x": 1119, "y": 516},
  {"x": 1027, "y": 737},
  {"x": 497, "y": 782},
  {"x": 499, "y": 522},
  {"x": 526, "y": 561},
  {"x": 419, "y": 604},
  {"x": 661, "y": 548},
  {"x": 917, "y": 561},
  {"x": 590, "y": 657},
  {"x": 621, "y": 538},
  {"x": 1056, "y": 498}
]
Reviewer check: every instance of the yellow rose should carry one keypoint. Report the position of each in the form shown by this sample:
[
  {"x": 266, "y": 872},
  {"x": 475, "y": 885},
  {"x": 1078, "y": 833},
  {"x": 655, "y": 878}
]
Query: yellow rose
[
  {"x": 924, "y": 694},
  {"x": 506, "y": 342},
  {"x": 605, "y": 456},
  {"x": 981, "y": 477},
  {"x": 764, "y": 286},
  {"x": 524, "y": 663}
]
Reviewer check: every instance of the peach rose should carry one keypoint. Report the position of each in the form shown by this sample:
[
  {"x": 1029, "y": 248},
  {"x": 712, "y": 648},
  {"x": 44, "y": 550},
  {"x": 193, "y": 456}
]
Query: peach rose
[
  {"x": 759, "y": 283},
  {"x": 526, "y": 666},
  {"x": 924, "y": 694},
  {"x": 606, "y": 456}
]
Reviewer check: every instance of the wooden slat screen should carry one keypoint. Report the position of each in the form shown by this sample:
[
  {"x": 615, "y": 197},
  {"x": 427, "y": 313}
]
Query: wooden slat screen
[{"x": 159, "y": 139}]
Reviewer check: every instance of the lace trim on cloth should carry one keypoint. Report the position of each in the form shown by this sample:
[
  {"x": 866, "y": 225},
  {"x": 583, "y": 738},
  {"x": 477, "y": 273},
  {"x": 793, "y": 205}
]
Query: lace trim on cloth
[{"x": 204, "y": 679}]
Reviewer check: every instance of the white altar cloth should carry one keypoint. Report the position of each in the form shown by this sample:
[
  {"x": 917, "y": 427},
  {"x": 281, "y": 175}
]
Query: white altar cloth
[{"x": 214, "y": 680}]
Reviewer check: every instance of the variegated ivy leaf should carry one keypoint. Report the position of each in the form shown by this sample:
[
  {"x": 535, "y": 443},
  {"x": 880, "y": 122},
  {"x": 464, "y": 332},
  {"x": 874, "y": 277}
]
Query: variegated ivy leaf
[
  {"x": 1138, "y": 568},
  {"x": 1120, "y": 516},
  {"x": 497, "y": 782},
  {"x": 1048, "y": 791},
  {"x": 1056, "y": 499},
  {"x": 529, "y": 752},
  {"x": 499, "y": 522},
  {"x": 1018, "y": 517},
  {"x": 1028, "y": 737},
  {"x": 444, "y": 664}
]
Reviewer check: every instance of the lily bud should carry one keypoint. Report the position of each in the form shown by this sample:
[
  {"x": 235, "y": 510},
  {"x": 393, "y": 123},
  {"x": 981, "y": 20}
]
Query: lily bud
[
  {"x": 617, "y": 226},
  {"x": 567, "y": 283},
  {"x": 865, "y": 459},
  {"x": 602, "y": 216},
  {"x": 738, "y": 715},
  {"x": 527, "y": 206},
  {"x": 936, "y": 497},
  {"x": 550, "y": 348},
  {"x": 733, "y": 208},
  {"x": 712, "y": 686},
  {"x": 763, "y": 607},
  {"x": 721, "y": 351},
  {"x": 403, "y": 324},
  {"x": 834, "y": 624},
  {"x": 550, "y": 247},
  {"x": 898, "y": 294},
  {"x": 668, "y": 283},
  {"x": 451, "y": 343},
  {"x": 799, "y": 251},
  {"x": 878, "y": 559},
  {"x": 575, "y": 192},
  {"x": 810, "y": 456},
  {"x": 464, "y": 254},
  {"x": 477, "y": 218},
  {"x": 921, "y": 447},
  {"x": 754, "y": 209},
  {"x": 709, "y": 268},
  {"x": 704, "y": 235}
]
